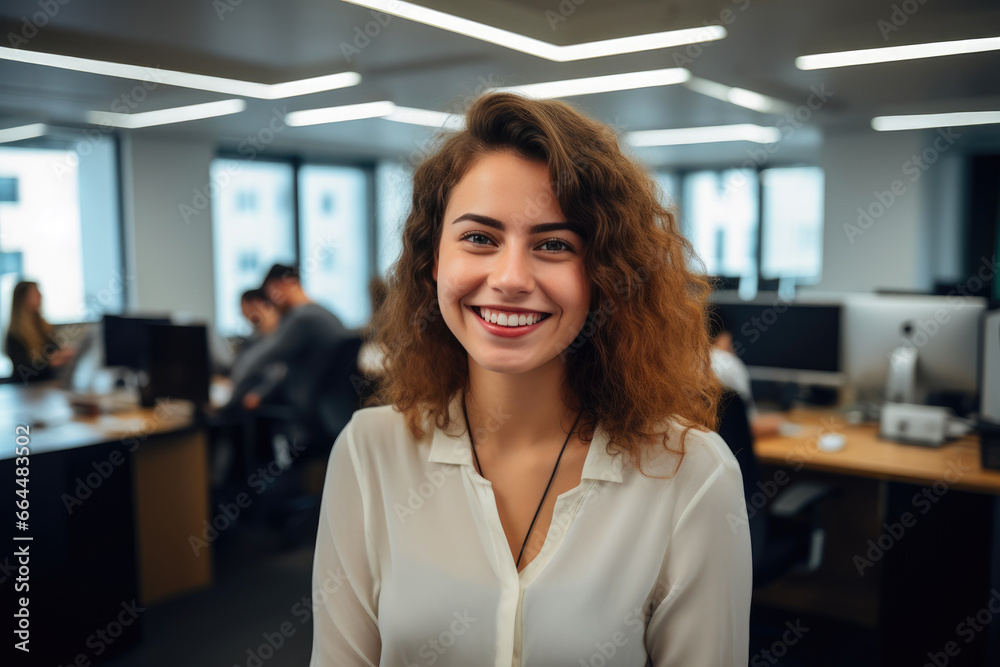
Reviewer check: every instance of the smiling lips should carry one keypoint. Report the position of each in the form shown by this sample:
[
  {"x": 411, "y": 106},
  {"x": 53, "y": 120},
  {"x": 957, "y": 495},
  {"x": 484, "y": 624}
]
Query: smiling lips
[{"x": 508, "y": 318}]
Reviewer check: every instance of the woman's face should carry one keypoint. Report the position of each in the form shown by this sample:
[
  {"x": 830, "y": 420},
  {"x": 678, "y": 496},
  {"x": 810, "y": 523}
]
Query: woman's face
[
  {"x": 33, "y": 299},
  {"x": 508, "y": 253}
]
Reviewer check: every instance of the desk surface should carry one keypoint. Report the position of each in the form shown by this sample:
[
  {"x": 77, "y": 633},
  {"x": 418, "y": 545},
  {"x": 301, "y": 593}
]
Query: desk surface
[
  {"x": 55, "y": 426},
  {"x": 957, "y": 463}
]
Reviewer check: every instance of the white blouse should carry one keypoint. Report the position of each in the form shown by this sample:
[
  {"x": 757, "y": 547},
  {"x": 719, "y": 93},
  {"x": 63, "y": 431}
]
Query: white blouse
[{"x": 412, "y": 566}]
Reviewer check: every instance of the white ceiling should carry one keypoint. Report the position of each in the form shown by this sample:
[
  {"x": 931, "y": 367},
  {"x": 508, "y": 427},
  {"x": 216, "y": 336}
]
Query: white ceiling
[{"x": 420, "y": 66}]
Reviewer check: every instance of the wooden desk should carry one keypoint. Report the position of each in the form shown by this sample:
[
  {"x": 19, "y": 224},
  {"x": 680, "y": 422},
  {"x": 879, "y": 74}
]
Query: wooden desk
[
  {"x": 936, "y": 553},
  {"x": 113, "y": 501},
  {"x": 865, "y": 455}
]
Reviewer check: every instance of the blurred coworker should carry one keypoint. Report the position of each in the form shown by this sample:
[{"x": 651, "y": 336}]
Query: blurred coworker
[
  {"x": 733, "y": 373},
  {"x": 260, "y": 313},
  {"x": 304, "y": 342},
  {"x": 264, "y": 318},
  {"x": 29, "y": 343},
  {"x": 371, "y": 356}
]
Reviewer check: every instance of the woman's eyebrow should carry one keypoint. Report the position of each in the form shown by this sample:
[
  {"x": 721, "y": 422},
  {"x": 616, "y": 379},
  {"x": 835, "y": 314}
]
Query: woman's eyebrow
[{"x": 534, "y": 229}]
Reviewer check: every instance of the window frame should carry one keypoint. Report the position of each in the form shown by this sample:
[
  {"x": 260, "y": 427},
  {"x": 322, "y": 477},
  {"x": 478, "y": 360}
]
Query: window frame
[
  {"x": 681, "y": 173},
  {"x": 298, "y": 160}
]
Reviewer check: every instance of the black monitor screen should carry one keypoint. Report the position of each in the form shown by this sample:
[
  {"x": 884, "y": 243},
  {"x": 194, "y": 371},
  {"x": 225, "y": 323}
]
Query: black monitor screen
[
  {"x": 126, "y": 340},
  {"x": 179, "y": 365},
  {"x": 780, "y": 335}
]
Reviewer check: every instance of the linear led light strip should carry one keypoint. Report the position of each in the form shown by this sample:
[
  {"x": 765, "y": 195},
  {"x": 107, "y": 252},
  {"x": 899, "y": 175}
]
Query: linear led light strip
[
  {"x": 384, "y": 109},
  {"x": 932, "y": 120},
  {"x": 215, "y": 84},
  {"x": 894, "y": 53},
  {"x": 536, "y": 47},
  {"x": 703, "y": 135},
  {"x": 22, "y": 132},
  {"x": 601, "y": 84},
  {"x": 549, "y": 89},
  {"x": 738, "y": 96},
  {"x": 133, "y": 121}
]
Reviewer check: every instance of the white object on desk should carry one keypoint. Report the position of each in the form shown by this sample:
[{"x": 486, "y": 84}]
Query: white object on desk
[
  {"x": 831, "y": 442},
  {"x": 789, "y": 429}
]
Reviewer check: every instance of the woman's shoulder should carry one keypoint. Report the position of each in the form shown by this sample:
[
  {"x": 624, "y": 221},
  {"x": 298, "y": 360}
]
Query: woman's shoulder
[
  {"x": 704, "y": 452},
  {"x": 379, "y": 432}
]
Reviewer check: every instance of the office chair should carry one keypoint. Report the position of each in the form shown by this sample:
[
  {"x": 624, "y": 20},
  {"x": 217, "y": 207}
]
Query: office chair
[
  {"x": 786, "y": 536},
  {"x": 334, "y": 400}
]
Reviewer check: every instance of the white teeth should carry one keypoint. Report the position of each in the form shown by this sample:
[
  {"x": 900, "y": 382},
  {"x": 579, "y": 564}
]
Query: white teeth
[{"x": 511, "y": 319}]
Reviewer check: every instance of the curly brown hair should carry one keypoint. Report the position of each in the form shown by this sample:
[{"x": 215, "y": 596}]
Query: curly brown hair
[{"x": 643, "y": 353}]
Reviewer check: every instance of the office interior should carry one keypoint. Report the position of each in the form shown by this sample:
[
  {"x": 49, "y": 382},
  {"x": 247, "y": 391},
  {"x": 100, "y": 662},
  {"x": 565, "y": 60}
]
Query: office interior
[{"x": 850, "y": 215}]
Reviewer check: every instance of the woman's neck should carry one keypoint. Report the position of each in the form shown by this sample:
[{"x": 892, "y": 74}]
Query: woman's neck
[{"x": 522, "y": 411}]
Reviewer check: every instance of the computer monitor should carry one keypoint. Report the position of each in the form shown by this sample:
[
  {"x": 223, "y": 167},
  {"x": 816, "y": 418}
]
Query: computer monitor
[
  {"x": 126, "y": 340},
  {"x": 179, "y": 363},
  {"x": 989, "y": 364},
  {"x": 944, "y": 333},
  {"x": 786, "y": 342}
]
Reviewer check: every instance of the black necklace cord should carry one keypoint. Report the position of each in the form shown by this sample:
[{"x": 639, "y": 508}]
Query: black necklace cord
[{"x": 547, "y": 486}]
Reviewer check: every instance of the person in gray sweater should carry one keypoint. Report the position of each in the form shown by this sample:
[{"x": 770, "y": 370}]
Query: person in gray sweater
[{"x": 301, "y": 348}]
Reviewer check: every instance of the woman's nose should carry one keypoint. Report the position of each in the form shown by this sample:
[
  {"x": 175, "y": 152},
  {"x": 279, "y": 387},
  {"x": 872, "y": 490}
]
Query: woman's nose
[{"x": 512, "y": 272}]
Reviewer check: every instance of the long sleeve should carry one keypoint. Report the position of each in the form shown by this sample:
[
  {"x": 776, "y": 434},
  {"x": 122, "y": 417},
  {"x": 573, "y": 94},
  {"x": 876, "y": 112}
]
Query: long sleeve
[
  {"x": 280, "y": 347},
  {"x": 704, "y": 617},
  {"x": 345, "y": 623}
]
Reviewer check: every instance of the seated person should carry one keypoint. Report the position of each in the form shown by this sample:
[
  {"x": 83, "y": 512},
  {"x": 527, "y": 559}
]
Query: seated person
[
  {"x": 260, "y": 313},
  {"x": 303, "y": 342},
  {"x": 733, "y": 373},
  {"x": 35, "y": 354}
]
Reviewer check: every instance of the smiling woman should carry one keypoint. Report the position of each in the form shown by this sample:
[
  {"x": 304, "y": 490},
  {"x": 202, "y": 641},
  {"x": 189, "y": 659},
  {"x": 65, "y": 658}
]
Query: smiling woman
[{"x": 541, "y": 485}]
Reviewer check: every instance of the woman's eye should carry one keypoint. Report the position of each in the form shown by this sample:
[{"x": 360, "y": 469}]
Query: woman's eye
[
  {"x": 476, "y": 239},
  {"x": 555, "y": 245}
]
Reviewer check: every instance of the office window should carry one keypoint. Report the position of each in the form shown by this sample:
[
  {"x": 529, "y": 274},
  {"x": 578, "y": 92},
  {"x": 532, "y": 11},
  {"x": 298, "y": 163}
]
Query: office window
[
  {"x": 253, "y": 227},
  {"x": 669, "y": 188},
  {"x": 720, "y": 217},
  {"x": 59, "y": 227},
  {"x": 333, "y": 208},
  {"x": 792, "y": 224},
  {"x": 394, "y": 192}
]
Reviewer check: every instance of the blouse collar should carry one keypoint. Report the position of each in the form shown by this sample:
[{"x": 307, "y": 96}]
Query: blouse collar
[{"x": 453, "y": 446}]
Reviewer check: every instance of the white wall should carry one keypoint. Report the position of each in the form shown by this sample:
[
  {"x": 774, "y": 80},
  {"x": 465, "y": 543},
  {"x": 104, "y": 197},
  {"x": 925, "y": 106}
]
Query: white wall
[
  {"x": 168, "y": 230},
  {"x": 861, "y": 254}
]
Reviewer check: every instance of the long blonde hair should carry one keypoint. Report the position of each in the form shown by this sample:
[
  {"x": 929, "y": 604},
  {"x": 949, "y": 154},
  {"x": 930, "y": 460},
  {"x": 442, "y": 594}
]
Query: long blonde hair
[{"x": 30, "y": 328}]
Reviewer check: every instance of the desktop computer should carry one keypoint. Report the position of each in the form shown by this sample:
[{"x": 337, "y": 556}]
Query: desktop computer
[
  {"x": 783, "y": 342},
  {"x": 911, "y": 348},
  {"x": 989, "y": 390},
  {"x": 179, "y": 364},
  {"x": 126, "y": 340}
]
